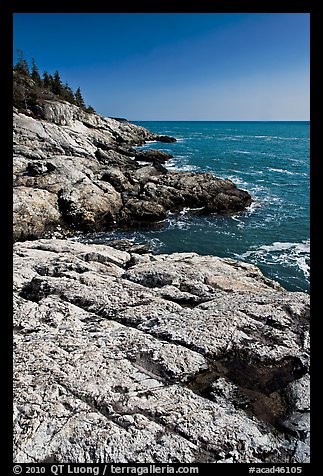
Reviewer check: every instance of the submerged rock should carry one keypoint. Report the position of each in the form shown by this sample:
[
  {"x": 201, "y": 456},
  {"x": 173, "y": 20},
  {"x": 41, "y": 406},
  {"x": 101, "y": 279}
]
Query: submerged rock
[{"x": 127, "y": 357}]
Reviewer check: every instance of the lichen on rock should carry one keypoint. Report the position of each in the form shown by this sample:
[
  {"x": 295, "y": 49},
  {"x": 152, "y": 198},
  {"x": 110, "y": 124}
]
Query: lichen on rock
[{"x": 122, "y": 357}]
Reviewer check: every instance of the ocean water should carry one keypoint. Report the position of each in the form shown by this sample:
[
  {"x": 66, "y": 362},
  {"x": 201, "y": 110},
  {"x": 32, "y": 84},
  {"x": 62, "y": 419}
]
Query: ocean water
[{"x": 269, "y": 159}]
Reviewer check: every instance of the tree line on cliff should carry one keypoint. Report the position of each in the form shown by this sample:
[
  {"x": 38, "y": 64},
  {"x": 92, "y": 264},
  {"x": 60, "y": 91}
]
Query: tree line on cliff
[{"x": 30, "y": 88}]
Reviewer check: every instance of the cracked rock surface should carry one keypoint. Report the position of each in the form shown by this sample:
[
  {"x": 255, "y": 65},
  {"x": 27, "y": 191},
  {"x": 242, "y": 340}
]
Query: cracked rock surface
[{"x": 126, "y": 357}]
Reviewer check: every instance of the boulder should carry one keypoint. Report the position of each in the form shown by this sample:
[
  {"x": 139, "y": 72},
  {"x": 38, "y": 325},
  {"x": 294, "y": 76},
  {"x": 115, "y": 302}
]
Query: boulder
[
  {"x": 152, "y": 155},
  {"x": 35, "y": 213},
  {"x": 177, "y": 190},
  {"x": 89, "y": 207},
  {"x": 166, "y": 139},
  {"x": 142, "y": 211}
]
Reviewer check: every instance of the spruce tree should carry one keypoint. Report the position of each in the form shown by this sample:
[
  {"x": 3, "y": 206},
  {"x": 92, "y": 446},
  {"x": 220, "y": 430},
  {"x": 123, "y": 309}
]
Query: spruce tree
[
  {"x": 27, "y": 94},
  {"x": 46, "y": 80},
  {"x": 35, "y": 74},
  {"x": 32, "y": 98},
  {"x": 19, "y": 98},
  {"x": 79, "y": 101},
  {"x": 90, "y": 109},
  {"x": 68, "y": 94},
  {"x": 21, "y": 66},
  {"x": 57, "y": 86},
  {"x": 51, "y": 82}
]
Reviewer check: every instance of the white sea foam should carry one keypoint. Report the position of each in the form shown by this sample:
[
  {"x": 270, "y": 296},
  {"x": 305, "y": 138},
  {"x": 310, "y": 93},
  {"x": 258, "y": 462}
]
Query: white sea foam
[
  {"x": 253, "y": 207},
  {"x": 303, "y": 247},
  {"x": 184, "y": 156},
  {"x": 265, "y": 154},
  {"x": 283, "y": 253},
  {"x": 277, "y": 137},
  {"x": 189, "y": 168},
  {"x": 228, "y": 138},
  {"x": 236, "y": 180},
  {"x": 242, "y": 152},
  {"x": 247, "y": 137},
  {"x": 187, "y": 210},
  {"x": 237, "y": 218},
  {"x": 247, "y": 172},
  {"x": 175, "y": 165},
  {"x": 252, "y": 188},
  {"x": 176, "y": 222},
  {"x": 292, "y": 138},
  {"x": 283, "y": 171}
]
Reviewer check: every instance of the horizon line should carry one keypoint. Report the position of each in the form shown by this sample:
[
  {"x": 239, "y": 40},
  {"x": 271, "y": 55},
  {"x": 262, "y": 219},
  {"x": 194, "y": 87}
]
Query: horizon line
[{"x": 217, "y": 120}]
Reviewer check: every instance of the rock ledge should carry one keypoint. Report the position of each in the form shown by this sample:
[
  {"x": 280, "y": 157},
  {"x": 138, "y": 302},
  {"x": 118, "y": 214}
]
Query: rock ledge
[{"x": 126, "y": 357}]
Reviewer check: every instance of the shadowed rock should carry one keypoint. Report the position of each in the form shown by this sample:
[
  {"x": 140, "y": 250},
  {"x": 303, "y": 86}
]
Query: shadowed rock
[
  {"x": 166, "y": 139},
  {"x": 152, "y": 156}
]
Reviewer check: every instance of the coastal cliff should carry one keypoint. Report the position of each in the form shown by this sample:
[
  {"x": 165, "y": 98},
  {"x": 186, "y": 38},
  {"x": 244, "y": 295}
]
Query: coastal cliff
[
  {"x": 125, "y": 356},
  {"x": 75, "y": 170}
]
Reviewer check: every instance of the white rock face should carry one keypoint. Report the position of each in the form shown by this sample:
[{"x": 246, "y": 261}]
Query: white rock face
[
  {"x": 66, "y": 129},
  {"x": 121, "y": 357},
  {"x": 66, "y": 114}
]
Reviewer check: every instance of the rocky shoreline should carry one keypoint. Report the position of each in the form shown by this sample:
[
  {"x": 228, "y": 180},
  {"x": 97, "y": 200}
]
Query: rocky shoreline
[
  {"x": 125, "y": 356},
  {"x": 76, "y": 171}
]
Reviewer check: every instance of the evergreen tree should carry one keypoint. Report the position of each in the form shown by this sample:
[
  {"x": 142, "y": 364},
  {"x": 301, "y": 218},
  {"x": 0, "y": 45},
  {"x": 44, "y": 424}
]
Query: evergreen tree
[
  {"x": 35, "y": 74},
  {"x": 21, "y": 66},
  {"x": 32, "y": 98},
  {"x": 19, "y": 99},
  {"x": 57, "y": 86},
  {"x": 90, "y": 109},
  {"x": 68, "y": 94},
  {"x": 30, "y": 89},
  {"x": 46, "y": 80},
  {"x": 79, "y": 101},
  {"x": 51, "y": 82}
]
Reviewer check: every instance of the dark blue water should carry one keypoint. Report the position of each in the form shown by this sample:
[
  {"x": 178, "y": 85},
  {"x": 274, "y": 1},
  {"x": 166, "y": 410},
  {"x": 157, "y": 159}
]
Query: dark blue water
[{"x": 269, "y": 159}]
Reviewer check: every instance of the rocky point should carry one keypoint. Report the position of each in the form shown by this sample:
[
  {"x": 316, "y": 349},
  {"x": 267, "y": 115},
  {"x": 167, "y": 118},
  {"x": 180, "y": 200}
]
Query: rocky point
[{"x": 83, "y": 169}]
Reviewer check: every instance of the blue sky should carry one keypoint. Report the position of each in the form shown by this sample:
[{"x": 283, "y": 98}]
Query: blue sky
[{"x": 176, "y": 66}]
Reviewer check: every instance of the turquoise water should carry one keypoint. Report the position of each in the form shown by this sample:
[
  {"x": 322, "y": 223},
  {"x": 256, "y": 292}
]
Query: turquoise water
[{"x": 269, "y": 159}]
